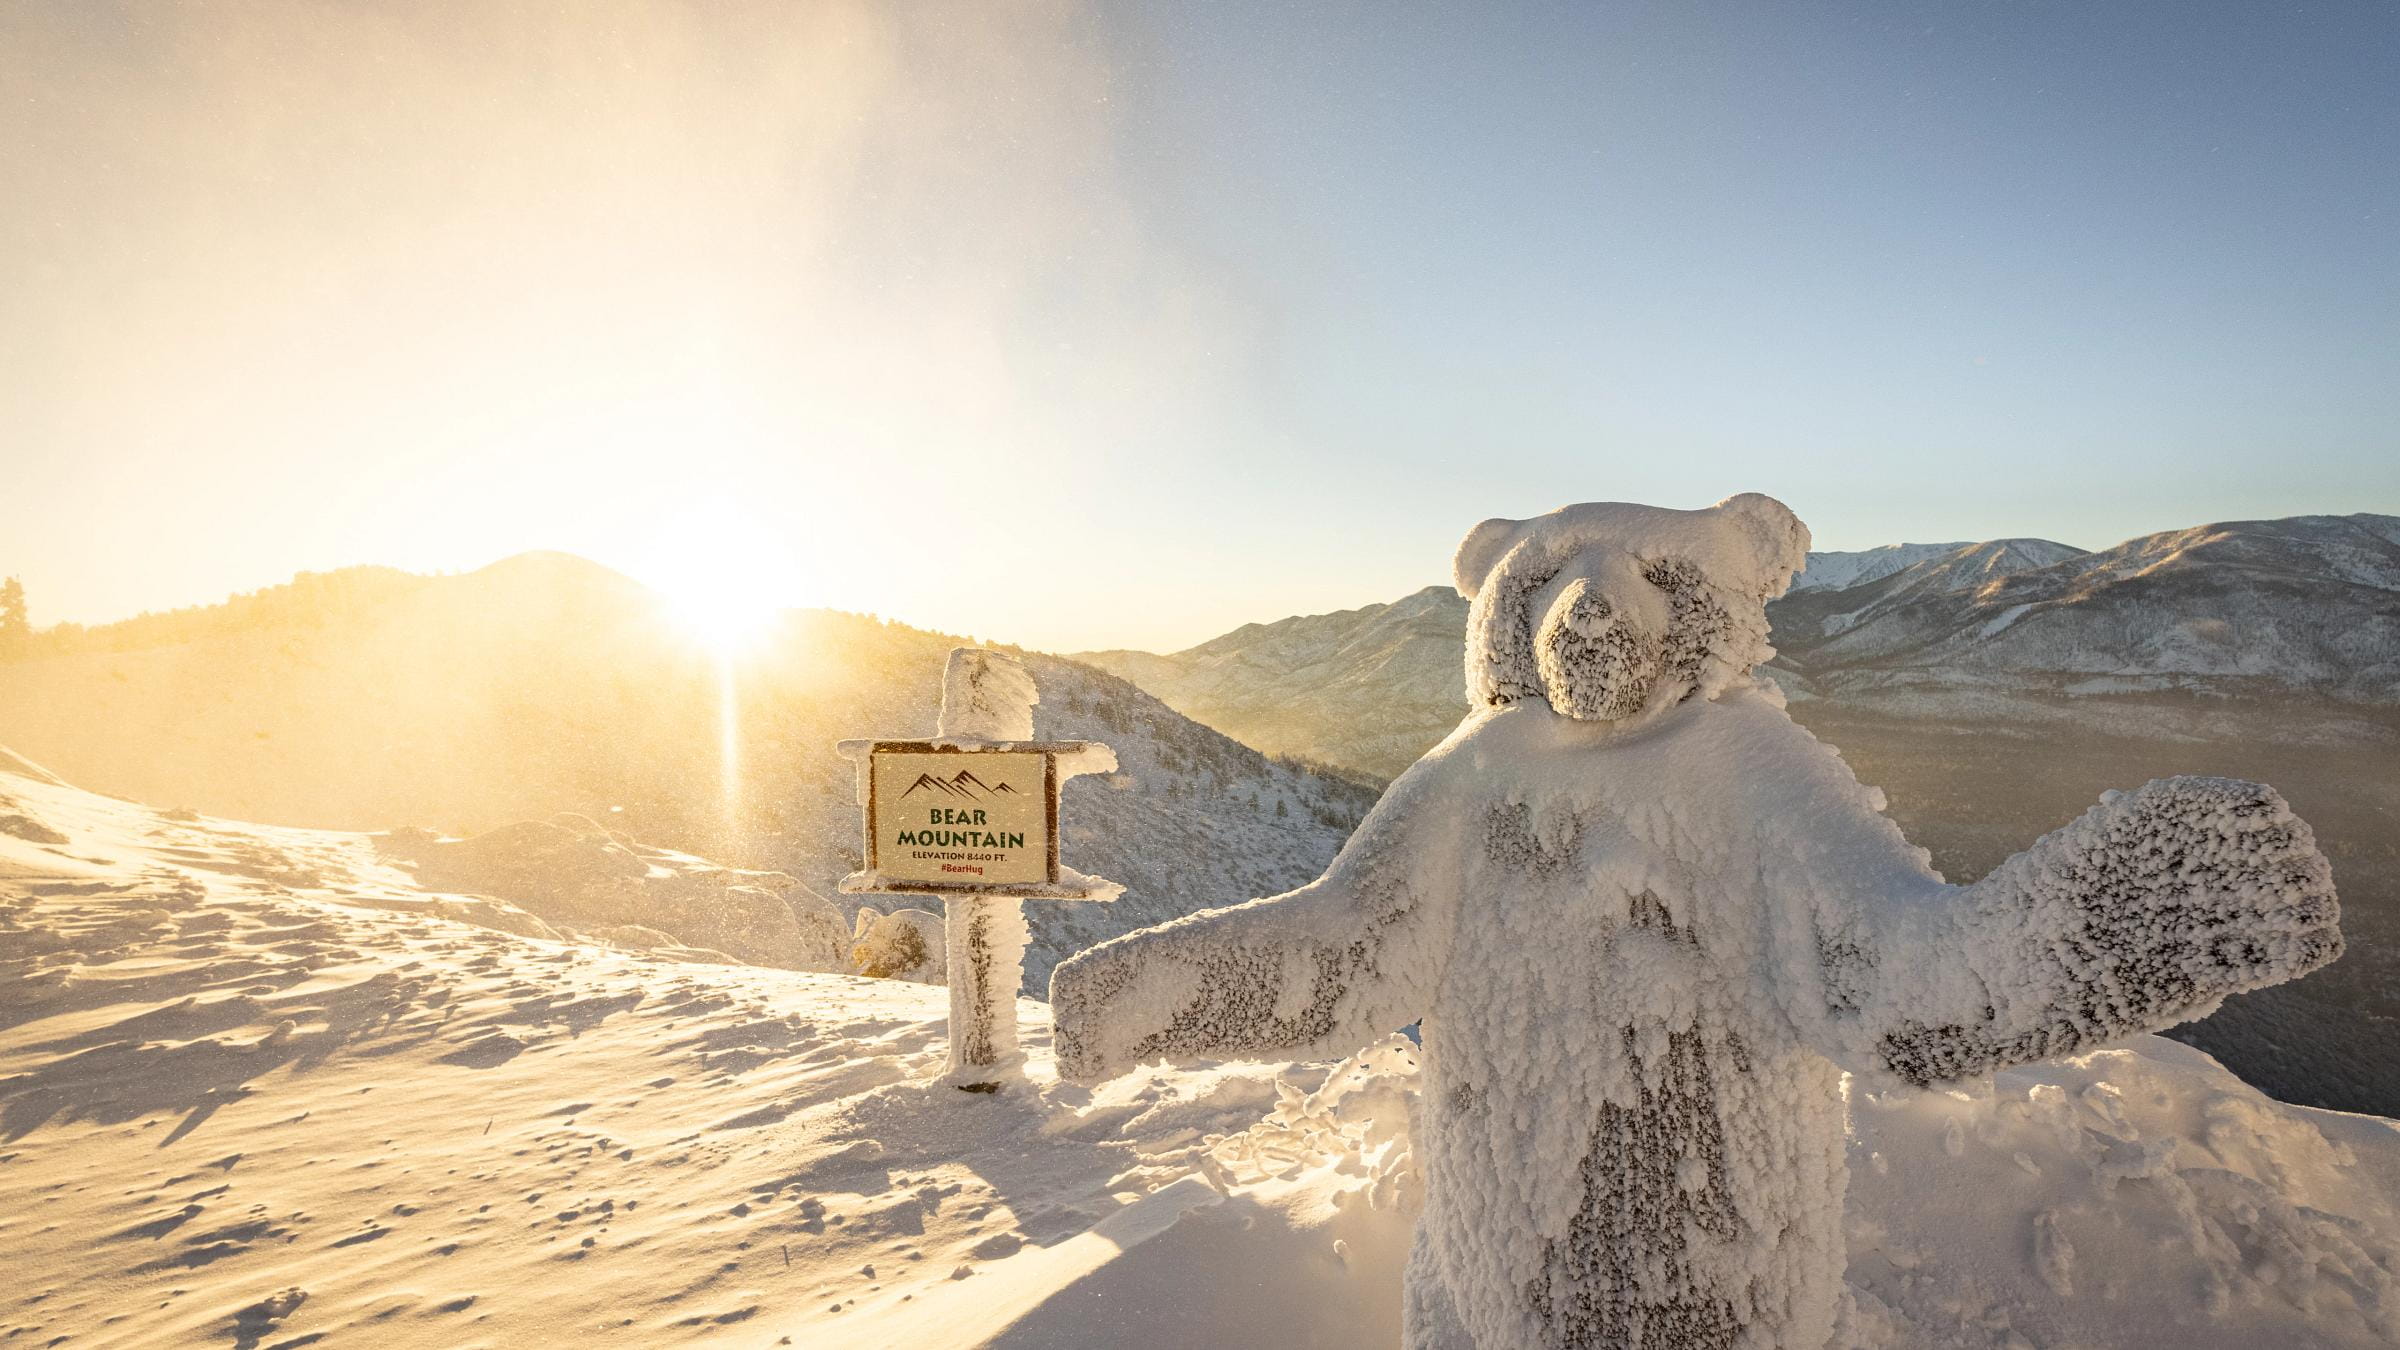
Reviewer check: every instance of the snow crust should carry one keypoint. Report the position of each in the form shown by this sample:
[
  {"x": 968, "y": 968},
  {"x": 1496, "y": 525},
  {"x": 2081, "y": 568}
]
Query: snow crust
[{"x": 1643, "y": 950}]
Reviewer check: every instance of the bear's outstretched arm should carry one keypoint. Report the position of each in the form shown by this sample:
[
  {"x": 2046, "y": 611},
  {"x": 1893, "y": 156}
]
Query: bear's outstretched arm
[
  {"x": 2142, "y": 913},
  {"x": 1318, "y": 971}
]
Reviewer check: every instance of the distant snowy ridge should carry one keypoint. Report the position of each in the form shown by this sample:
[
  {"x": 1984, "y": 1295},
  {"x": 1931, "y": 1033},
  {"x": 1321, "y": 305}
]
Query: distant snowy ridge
[
  {"x": 261, "y": 1087},
  {"x": 2309, "y": 604},
  {"x": 1835, "y": 570}
]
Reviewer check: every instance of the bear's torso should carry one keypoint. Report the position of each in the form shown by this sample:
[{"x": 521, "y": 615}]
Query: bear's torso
[{"x": 1676, "y": 1177}]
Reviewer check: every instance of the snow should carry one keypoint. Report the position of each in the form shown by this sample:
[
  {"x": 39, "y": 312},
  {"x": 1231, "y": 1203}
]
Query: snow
[
  {"x": 1993, "y": 626},
  {"x": 988, "y": 697},
  {"x": 577, "y": 874},
  {"x": 2136, "y": 1180},
  {"x": 1645, "y": 932},
  {"x": 261, "y": 1085},
  {"x": 1839, "y": 571}
]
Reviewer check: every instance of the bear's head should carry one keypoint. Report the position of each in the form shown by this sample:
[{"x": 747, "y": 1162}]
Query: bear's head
[{"x": 1611, "y": 611}]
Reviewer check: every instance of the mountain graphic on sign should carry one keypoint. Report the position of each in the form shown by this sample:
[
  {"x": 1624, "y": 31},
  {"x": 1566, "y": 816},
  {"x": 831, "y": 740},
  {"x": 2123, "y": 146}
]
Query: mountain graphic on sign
[{"x": 964, "y": 784}]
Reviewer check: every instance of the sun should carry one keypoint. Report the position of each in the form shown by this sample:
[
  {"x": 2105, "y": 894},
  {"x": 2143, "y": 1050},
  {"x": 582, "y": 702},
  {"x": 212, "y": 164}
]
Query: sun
[
  {"x": 725, "y": 577},
  {"x": 722, "y": 615}
]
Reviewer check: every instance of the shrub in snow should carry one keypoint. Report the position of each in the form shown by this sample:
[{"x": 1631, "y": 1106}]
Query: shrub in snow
[
  {"x": 1646, "y": 920},
  {"x": 905, "y": 944}
]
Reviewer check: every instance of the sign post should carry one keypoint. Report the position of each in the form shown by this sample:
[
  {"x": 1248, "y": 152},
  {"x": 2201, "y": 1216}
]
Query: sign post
[{"x": 971, "y": 816}]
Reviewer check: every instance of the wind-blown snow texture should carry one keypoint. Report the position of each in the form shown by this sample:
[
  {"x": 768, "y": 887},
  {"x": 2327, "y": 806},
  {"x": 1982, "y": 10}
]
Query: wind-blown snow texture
[
  {"x": 259, "y": 1087},
  {"x": 1643, "y": 949}
]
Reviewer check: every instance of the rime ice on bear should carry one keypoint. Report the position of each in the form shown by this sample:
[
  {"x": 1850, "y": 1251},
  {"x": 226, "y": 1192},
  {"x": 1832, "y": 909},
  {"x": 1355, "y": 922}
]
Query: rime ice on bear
[{"x": 1646, "y": 920}]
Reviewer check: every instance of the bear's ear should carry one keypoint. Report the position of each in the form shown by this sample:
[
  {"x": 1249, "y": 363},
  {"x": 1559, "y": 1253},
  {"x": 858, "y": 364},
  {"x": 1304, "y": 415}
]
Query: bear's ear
[
  {"x": 1480, "y": 552},
  {"x": 1778, "y": 541}
]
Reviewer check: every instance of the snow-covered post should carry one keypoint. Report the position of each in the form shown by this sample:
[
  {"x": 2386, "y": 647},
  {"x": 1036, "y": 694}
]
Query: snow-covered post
[
  {"x": 989, "y": 698},
  {"x": 981, "y": 833}
]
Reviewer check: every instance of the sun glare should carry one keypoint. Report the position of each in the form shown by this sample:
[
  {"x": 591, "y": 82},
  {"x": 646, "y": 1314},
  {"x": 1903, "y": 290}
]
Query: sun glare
[
  {"x": 722, "y": 614},
  {"x": 724, "y": 577}
]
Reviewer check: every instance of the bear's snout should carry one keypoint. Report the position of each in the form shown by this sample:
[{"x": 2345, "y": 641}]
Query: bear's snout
[{"x": 1598, "y": 663}]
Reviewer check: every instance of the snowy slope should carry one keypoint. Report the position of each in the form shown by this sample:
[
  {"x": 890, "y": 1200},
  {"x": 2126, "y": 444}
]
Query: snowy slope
[
  {"x": 259, "y": 1088},
  {"x": 546, "y": 684}
]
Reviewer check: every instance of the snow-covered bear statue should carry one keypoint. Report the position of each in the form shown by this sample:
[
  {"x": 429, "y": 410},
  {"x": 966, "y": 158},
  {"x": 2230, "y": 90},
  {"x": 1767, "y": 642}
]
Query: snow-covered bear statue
[{"x": 1643, "y": 917}]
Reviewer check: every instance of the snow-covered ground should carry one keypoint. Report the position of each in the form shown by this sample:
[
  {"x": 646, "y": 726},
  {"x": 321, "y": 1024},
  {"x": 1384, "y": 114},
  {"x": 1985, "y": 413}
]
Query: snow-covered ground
[{"x": 258, "y": 1086}]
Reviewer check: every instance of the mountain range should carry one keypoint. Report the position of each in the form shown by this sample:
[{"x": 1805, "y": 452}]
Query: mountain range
[
  {"x": 2307, "y": 606},
  {"x": 546, "y": 685}
]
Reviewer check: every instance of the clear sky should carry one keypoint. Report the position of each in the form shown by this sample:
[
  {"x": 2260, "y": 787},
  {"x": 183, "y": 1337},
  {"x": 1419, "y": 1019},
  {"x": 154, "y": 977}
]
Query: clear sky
[{"x": 1126, "y": 324}]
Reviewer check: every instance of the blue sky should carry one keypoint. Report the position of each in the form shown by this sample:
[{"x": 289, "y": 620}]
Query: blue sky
[
  {"x": 1940, "y": 270},
  {"x": 1266, "y": 304}
]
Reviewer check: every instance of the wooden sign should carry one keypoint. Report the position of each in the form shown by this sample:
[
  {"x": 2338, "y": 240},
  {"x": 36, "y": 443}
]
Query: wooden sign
[
  {"x": 972, "y": 816},
  {"x": 944, "y": 817}
]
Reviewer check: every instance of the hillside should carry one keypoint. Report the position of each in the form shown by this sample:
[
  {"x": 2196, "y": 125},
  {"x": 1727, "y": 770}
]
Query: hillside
[
  {"x": 1359, "y": 688},
  {"x": 258, "y": 1087},
  {"x": 545, "y": 685}
]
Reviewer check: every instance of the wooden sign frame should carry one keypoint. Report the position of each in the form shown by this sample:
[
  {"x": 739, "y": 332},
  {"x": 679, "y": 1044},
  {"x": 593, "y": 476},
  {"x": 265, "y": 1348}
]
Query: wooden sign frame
[{"x": 1055, "y": 883}]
